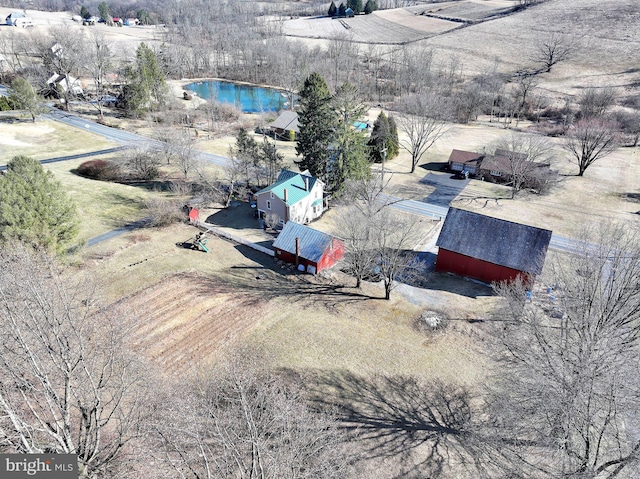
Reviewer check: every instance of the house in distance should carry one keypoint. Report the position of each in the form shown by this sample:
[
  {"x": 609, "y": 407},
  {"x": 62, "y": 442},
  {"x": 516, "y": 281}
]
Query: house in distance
[
  {"x": 286, "y": 126},
  {"x": 490, "y": 249},
  {"x": 293, "y": 197}
]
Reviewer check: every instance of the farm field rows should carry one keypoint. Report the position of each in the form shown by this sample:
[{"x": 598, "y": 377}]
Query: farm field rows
[
  {"x": 191, "y": 305},
  {"x": 396, "y": 28}
]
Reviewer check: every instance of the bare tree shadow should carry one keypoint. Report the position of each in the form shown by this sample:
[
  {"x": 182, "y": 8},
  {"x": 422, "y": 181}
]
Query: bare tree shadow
[
  {"x": 270, "y": 279},
  {"x": 428, "y": 427}
]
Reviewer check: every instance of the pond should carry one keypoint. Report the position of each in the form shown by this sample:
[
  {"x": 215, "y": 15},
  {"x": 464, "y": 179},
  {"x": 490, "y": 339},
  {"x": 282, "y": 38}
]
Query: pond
[{"x": 248, "y": 98}]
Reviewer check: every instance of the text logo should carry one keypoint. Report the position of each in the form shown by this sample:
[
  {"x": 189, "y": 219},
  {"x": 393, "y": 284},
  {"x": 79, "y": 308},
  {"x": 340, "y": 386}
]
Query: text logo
[{"x": 38, "y": 466}]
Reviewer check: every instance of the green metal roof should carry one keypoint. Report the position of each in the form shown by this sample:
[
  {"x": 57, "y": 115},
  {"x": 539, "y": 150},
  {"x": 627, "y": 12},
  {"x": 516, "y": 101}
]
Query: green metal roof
[{"x": 293, "y": 183}]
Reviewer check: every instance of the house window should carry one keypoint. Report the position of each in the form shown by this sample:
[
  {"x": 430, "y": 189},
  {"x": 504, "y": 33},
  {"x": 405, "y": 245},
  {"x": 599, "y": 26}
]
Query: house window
[
  {"x": 268, "y": 204},
  {"x": 271, "y": 194},
  {"x": 496, "y": 173}
]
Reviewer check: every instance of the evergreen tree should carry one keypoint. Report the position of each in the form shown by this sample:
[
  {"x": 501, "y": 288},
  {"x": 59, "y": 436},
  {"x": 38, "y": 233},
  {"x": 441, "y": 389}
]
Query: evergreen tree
[
  {"x": 103, "y": 10},
  {"x": 146, "y": 88},
  {"x": 24, "y": 97},
  {"x": 271, "y": 161},
  {"x": 84, "y": 12},
  {"x": 247, "y": 153},
  {"x": 384, "y": 139},
  {"x": 333, "y": 10},
  {"x": 317, "y": 123},
  {"x": 342, "y": 10},
  {"x": 350, "y": 158},
  {"x": 34, "y": 207},
  {"x": 355, "y": 5},
  {"x": 370, "y": 7}
]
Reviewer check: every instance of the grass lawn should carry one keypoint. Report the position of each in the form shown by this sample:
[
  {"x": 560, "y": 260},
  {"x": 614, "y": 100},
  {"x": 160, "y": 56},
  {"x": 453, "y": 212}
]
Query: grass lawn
[
  {"x": 45, "y": 139},
  {"x": 102, "y": 205}
]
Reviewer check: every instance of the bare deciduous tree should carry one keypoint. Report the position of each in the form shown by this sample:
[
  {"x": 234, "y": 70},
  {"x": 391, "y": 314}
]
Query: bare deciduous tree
[
  {"x": 568, "y": 391},
  {"x": 395, "y": 238},
  {"x": 63, "y": 52},
  {"x": 378, "y": 241},
  {"x": 143, "y": 164},
  {"x": 99, "y": 62},
  {"x": 527, "y": 156},
  {"x": 552, "y": 49},
  {"x": 589, "y": 140},
  {"x": 240, "y": 420},
  {"x": 629, "y": 122},
  {"x": 594, "y": 102},
  {"x": 67, "y": 381},
  {"x": 423, "y": 123}
]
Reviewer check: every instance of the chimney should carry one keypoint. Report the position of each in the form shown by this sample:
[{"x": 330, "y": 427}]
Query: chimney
[
  {"x": 286, "y": 195},
  {"x": 306, "y": 184},
  {"x": 297, "y": 251}
]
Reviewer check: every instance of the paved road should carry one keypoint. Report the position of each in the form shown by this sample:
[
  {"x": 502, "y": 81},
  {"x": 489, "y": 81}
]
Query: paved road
[
  {"x": 76, "y": 156},
  {"x": 558, "y": 242},
  {"x": 122, "y": 136},
  {"x": 117, "y": 232}
]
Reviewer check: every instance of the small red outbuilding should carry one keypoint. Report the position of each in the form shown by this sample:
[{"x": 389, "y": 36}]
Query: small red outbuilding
[
  {"x": 306, "y": 246},
  {"x": 490, "y": 249}
]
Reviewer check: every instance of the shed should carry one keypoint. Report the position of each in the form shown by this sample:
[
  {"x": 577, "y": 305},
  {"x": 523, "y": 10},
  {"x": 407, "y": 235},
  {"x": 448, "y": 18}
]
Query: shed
[
  {"x": 286, "y": 125},
  {"x": 301, "y": 245},
  {"x": 490, "y": 249}
]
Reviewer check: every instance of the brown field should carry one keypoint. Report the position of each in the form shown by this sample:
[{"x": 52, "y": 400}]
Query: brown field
[
  {"x": 606, "y": 49},
  {"x": 189, "y": 305},
  {"x": 397, "y": 26}
]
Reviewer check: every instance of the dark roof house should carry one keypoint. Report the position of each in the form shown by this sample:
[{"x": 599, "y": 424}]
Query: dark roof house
[
  {"x": 490, "y": 249},
  {"x": 460, "y": 160},
  {"x": 305, "y": 246},
  {"x": 286, "y": 125}
]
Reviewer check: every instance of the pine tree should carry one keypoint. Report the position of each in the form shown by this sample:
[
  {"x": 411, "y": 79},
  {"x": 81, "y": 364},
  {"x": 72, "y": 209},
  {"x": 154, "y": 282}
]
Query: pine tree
[
  {"x": 350, "y": 158},
  {"x": 103, "y": 9},
  {"x": 355, "y": 5},
  {"x": 333, "y": 10},
  {"x": 384, "y": 139},
  {"x": 34, "y": 207},
  {"x": 247, "y": 153},
  {"x": 24, "y": 97},
  {"x": 84, "y": 12},
  {"x": 342, "y": 10},
  {"x": 146, "y": 88},
  {"x": 370, "y": 7},
  {"x": 317, "y": 123}
]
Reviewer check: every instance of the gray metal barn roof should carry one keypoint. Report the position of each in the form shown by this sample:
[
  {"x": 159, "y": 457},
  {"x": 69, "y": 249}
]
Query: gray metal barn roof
[
  {"x": 496, "y": 241},
  {"x": 313, "y": 243}
]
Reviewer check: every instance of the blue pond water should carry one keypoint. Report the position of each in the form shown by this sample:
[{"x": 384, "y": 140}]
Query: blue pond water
[{"x": 250, "y": 99}]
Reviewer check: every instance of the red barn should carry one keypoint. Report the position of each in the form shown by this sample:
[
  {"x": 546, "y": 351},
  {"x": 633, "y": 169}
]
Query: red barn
[
  {"x": 312, "y": 249},
  {"x": 490, "y": 249}
]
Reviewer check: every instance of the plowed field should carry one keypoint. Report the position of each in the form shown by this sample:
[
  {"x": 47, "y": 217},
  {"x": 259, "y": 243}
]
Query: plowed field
[{"x": 188, "y": 317}]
